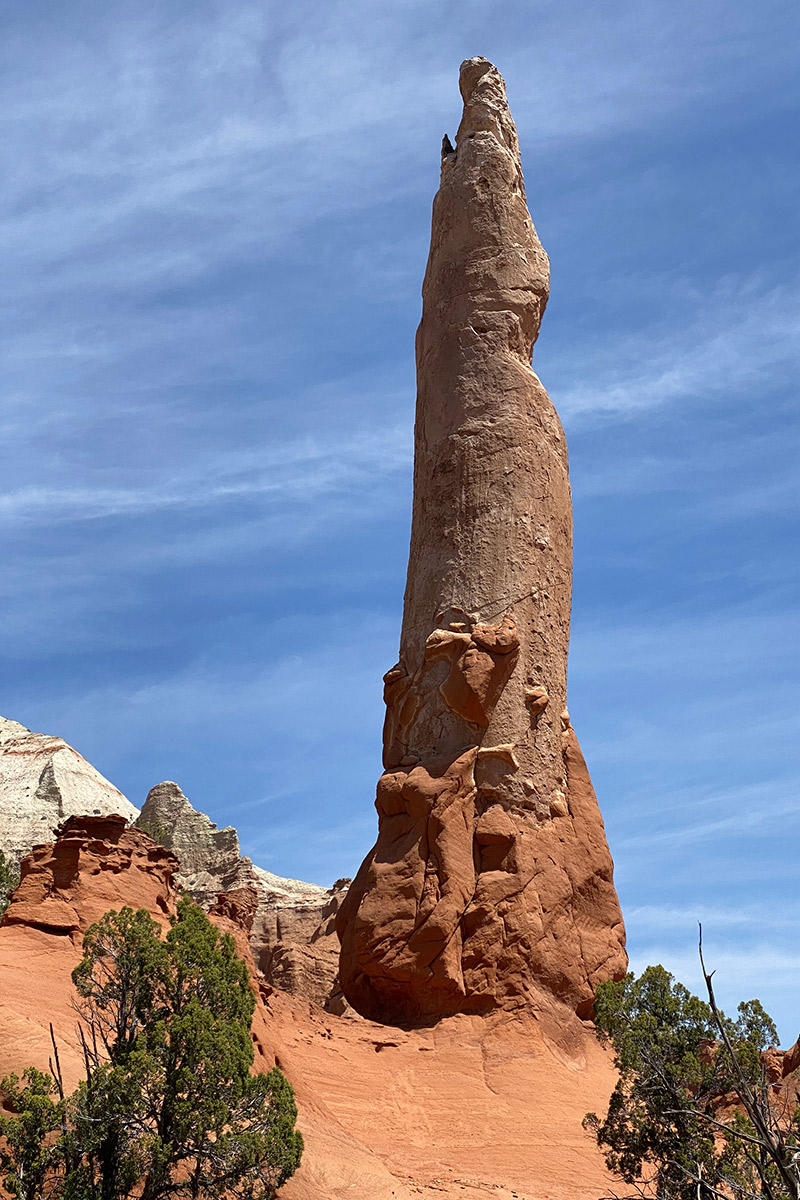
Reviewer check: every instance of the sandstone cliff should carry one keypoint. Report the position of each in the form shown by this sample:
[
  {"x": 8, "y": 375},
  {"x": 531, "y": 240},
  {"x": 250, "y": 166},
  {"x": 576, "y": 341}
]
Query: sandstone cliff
[
  {"x": 473, "y": 1106},
  {"x": 209, "y": 859},
  {"x": 293, "y": 940},
  {"x": 490, "y": 884},
  {"x": 42, "y": 782}
]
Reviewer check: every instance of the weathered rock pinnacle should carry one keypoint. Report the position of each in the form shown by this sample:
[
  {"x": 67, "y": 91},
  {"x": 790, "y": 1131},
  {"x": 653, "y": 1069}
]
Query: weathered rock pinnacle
[{"x": 490, "y": 883}]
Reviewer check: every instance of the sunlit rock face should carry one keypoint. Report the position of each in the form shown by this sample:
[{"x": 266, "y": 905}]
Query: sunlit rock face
[
  {"x": 500, "y": 1099},
  {"x": 490, "y": 884},
  {"x": 43, "y": 781},
  {"x": 292, "y": 938}
]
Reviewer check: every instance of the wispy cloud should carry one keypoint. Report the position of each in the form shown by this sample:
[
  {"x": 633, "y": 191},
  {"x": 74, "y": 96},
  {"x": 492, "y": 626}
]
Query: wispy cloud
[
  {"x": 295, "y": 472},
  {"x": 149, "y": 126},
  {"x": 722, "y": 345},
  {"x": 662, "y": 839},
  {"x": 748, "y": 943},
  {"x": 299, "y": 721},
  {"x": 767, "y": 972},
  {"x": 744, "y": 916}
]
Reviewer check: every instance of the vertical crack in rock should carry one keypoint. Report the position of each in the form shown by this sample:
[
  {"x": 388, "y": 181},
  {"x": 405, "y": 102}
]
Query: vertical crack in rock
[{"x": 491, "y": 883}]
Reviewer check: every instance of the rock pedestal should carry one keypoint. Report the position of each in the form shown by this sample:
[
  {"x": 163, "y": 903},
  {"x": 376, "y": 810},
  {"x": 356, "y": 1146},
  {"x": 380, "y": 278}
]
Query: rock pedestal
[
  {"x": 499, "y": 1100},
  {"x": 491, "y": 883}
]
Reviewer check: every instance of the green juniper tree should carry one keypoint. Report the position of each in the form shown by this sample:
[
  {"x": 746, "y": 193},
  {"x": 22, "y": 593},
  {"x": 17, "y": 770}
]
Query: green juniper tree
[
  {"x": 691, "y": 1116},
  {"x": 30, "y": 1156},
  {"x": 9, "y": 878},
  {"x": 168, "y": 1106}
]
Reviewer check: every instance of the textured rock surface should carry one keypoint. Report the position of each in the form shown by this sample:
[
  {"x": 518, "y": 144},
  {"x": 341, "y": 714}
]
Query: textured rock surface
[
  {"x": 491, "y": 883},
  {"x": 42, "y": 782},
  {"x": 210, "y": 859},
  {"x": 782, "y": 1067},
  {"x": 474, "y": 1106},
  {"x": 66, "y": 885},
  {"x": 293, "y": 940}
]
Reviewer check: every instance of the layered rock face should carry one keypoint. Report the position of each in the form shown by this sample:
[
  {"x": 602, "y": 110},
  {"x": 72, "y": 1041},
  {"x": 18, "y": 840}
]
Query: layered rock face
[
  {"x": 210, "y": 859},
  {"x": 68, "y": 884},
  {"x": 491, "y": 883},
  {"x": 42, "y": 782},
  {"x": 292, "y": 938}
]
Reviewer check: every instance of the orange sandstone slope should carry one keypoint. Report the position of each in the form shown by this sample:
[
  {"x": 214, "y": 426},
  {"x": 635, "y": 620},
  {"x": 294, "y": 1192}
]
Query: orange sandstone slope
[{"x": 470, "y": 1106}]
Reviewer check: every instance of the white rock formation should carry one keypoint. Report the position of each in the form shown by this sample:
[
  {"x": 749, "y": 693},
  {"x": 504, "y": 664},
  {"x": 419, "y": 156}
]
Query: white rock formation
[
  {"x": 42, "y": 782},
  {"x": 210, "y": 858},
  {"x": 292, "y": 938}
]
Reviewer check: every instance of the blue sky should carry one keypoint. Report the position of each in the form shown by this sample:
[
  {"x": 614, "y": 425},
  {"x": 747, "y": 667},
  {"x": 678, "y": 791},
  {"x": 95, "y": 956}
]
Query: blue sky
[{"x": 215, "y": 233}]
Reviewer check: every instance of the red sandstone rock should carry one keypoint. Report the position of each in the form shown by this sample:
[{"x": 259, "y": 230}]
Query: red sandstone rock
[
  {"x": 786, "y": 1088},
  {"x": 490, "y": 884},
  {"x": 237, "y": 906},
  {"x": 474, "y": 1105},
  {"x": 96, "y": 864},
  {"x": 67, "y": 885},
  {"x": 772, "y": 1061},
  {"x": 791, "y": 1059}
]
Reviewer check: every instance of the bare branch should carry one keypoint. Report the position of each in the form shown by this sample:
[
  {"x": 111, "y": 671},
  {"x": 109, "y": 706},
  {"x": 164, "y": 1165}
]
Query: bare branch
[{"x": 773, "y": 1144}]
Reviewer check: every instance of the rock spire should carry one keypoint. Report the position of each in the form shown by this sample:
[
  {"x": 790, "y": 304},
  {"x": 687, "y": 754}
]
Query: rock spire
[{"x": 491, "y": 883}]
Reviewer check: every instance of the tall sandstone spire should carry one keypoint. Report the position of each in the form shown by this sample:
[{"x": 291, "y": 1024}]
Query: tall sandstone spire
[{"x": 491, "y": 883}]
